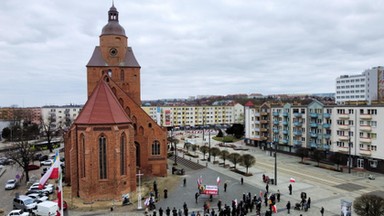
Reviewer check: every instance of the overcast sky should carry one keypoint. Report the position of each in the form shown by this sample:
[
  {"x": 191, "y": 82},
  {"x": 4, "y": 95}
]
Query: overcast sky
[{"x": 189, "y": 48}]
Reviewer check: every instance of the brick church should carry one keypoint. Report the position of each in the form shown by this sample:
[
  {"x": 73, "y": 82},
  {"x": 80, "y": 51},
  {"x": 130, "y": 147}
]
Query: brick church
[{"x": 113, "y": 138}]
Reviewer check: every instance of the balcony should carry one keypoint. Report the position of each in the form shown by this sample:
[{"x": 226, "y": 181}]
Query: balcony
[
  {"x": 275, "y": 122},
  {"x": 263, "y": 113},
  {"x": 365, "y": 152},
  {"x": 365, "y": 116},
  {"x": 326, "y": 125},
  {"x": 285, "y": 114},
  {"x": 285, "y": 132},
  {"x": 326, "y": 147},
  {"x": 327, "y": 115},
  {"x": 263, "y": 129},
  {"x": 313, "y": 125},
  {"x": 263, "y": 121},
  {"x": 257, "y": 129},
  {"x": 343, "y": 149},
  {"x": 365, "y": 128},
  {"x": 297, "y": 124},
  {"x": 313, "y": 115},
  {"x": 297, "y": 142},
  {"x": 312, "y": 145},
  {"x": 313, "y": 135},
  {"x": 327, "y": 136},
  {"x": 297, "y": 133},
  {"x": 343, "y": 116},
  {"x": 275, "y": 114},
  {"x": 343, "y": 138},
  {"x": 285, "y": 141},
  {"x": 343, "y": 127},
  {"x": 285, "y": 123},
  {"x": 365, "y": 140},
  {"x": 276, "y": 131},
  {"x": 297, "y": 115}
]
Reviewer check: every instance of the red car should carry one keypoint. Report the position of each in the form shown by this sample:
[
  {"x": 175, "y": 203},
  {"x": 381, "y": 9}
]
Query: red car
[
  {"x": 33, "y": 167},
  {"x": 65, "y": 205}
]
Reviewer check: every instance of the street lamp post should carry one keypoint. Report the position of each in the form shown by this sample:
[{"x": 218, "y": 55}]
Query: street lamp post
[
  {"x": 209, "y": 145},
  {"x": 349, "y": 153},
  {"x": 275, "y": 162}
]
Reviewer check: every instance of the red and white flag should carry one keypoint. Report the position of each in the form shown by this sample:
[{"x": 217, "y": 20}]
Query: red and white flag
[
  {"x": 218, "y": 180},
  {"x": 52, "y": 172},
  {"x": 60, "y": 194}
]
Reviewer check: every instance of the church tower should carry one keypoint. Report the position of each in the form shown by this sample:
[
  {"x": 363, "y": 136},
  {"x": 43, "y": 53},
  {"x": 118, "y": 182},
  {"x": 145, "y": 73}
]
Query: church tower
[{"x": 113, "y": 137}]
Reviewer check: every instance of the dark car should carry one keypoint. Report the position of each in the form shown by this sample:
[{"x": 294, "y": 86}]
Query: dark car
[
  {"x": 33, "y": 167},
  {"x": 37, "y": 156},
  {"x": 43, "y": 158}
]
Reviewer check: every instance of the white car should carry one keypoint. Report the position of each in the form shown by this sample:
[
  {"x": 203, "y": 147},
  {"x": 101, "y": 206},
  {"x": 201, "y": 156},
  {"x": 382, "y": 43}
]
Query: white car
[
  {"x": 18, "y": 212},
  {"x": 46, "y": 163},
  {"x": 37, "y": 197},
  {"x": 11, "y": 184},
  {"x": 49, "y": 188}
]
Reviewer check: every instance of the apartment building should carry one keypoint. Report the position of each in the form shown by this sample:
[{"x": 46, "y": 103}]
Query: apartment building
[
  {"x": 367, "y": 86},
  {"x": 257, "y": 124},
  {"x": 354, "y": 131},
  {"x": 60, "y": 116},
  {"x": 181, "y": 116}
]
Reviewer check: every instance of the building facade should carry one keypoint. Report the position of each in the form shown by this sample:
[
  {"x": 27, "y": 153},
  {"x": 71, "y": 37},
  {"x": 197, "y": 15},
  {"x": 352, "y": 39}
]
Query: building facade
[
  {"x": 192, "y": 116},
  {"x": 355, "y": 132},
  {"x": 367, "y": 86},
  {"x": 112, "y": 138},
  {"x": 60, "y": 117}
]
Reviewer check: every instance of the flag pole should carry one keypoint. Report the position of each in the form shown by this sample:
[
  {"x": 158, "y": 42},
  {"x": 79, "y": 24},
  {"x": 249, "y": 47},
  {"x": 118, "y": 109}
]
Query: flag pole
[{"x": 61, "y": 193}]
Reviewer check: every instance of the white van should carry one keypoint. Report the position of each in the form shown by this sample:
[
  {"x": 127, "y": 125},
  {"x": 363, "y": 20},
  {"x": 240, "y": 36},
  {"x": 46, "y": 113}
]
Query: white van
[{"x": 46, "y": 208}]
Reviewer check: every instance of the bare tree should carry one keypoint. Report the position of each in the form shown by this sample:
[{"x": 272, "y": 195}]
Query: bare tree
[
  {"x": 204, "y": 150},
  {"x": 224, "y": 155},
  {"x": 369, "y": 205},
  {"x": 302, "y": 153},
  {"x": 215, "y": 152},
  {"x": 22, "y": 153},
  {"x": 235, "y": 158},
  {"x": 48, "y": 128},
  {"x": 248, "y": 161}
]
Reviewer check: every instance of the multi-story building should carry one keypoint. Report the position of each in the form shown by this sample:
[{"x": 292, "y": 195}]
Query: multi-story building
[
  {"x": 358, "y": 131},
  {"x": 367, "y": 86},
  {"x": 257, "y": 124},
  {"x": 354, "y": 131},
  {"x": 60, "y": 117},
  {"x": 16, "y": 114},
  {"x": 181, "y": 116}
]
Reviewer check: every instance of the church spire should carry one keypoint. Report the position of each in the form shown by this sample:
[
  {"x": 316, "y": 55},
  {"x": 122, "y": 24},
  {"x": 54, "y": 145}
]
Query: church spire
[{"x": 113, "y": 14}]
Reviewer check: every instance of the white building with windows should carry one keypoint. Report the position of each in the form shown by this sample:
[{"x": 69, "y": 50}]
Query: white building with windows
[
  {"x": 361, "y": 87},
  {"x": 60, "y": 116},
  {"x": 181, "y": 116}
]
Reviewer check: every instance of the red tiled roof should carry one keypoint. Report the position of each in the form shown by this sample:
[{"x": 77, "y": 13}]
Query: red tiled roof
[
  {"x": 102, "y": 107},
  {"x": 249, "y": 104}
]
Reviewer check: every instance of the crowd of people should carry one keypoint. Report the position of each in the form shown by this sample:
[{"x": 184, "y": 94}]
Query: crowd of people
[{"x": 248, "y": 203}]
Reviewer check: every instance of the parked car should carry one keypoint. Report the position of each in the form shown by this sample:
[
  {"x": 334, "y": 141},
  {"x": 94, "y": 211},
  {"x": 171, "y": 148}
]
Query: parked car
[
  {"x": 37, "y": 156},
  {"x": 17, "y": 212},
  {"x": 46, "y": 163},
  {"x": 46, "y": 208},
  {"x": 37, "y": 198},
  {"x": 47, "y": 188},
  {"x": 11, "y": 184},
  {"x": 43, "y": 158},
  {"x": 41, "y": 192},
  {"x": 24, "y": 203},
  {"x": 33, "y": 167},
  {"x": 65, "y": 205}
]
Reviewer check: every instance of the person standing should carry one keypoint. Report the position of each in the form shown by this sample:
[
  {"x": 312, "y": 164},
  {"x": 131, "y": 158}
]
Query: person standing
[
  {"x": 225, "y": 187},
  {"x": 196, "y": 196},
  {"x": 184, "y": 182},
  {"x": 168, "y": 211},
  {"x": 290, "y": 189},
  {"x": 309, "y": 202},
  {"x": 241, "y": 180},
  {"x": 165, "y": 193},
  {"x": 267, "y": 187},
  {"x": 288, "y": 206},
  {"x": 219, "y": 205},
  {"x": 160, "y": 211},
  {"x": 278, "y": 195},
  {"x": 322, "y": 210}
]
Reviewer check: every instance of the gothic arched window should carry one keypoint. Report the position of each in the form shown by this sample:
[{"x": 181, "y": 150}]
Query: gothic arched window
[
  {"x": 156, "y": 148},
  {"x": 123, "y": 144},
  {"x": 102, "y": 157},
  {"x": 82, "y": 155}
]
